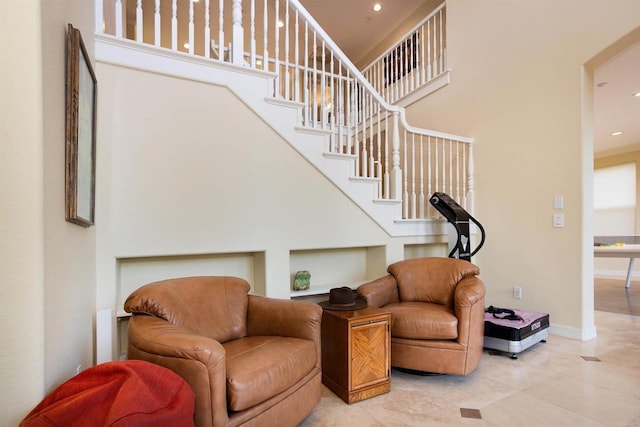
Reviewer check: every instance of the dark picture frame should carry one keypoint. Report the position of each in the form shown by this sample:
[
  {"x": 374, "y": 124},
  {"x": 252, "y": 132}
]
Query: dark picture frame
[{"x": 80, "y": 154}]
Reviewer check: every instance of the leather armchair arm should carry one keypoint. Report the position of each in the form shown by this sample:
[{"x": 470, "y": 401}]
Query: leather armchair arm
[
  {"x": 380, "y": 292},
  {"x": 271, "y": 316},
  {"x": 469, "y": 309},
  {"x": 198, "y": 359},
  {"x": 468, "y": 292}
]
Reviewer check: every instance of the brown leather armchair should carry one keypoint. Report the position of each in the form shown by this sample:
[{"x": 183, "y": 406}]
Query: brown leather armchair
[
  {"x": 437, "y": 314},
  {"x": 250, "y": 360}
]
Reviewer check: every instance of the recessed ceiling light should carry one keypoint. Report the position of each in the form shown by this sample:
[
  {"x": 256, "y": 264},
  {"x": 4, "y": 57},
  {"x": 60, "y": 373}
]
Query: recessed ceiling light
[
  {"x": 637, "y": 94},
  {"x": 186, "y": 45},
  {"x": 616, "y": 133},
  {"x": 280, "y": 24},
  {"x": 377, "y": 7}
]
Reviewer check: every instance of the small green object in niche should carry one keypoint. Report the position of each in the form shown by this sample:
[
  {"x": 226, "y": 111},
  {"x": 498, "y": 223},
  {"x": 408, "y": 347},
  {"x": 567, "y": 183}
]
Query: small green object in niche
[{"x": 301, "y": 281}]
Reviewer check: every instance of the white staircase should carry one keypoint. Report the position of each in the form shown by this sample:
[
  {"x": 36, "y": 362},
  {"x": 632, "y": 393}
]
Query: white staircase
[{"x": 362, "y": 145}]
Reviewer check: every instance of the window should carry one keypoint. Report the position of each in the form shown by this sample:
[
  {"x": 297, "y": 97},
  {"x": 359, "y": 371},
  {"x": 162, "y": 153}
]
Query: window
[{"x": 614, "y": 200}]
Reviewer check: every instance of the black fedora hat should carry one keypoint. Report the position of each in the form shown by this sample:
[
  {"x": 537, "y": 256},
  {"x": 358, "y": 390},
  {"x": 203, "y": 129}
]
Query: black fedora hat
[{"x": 343, "y": 299}]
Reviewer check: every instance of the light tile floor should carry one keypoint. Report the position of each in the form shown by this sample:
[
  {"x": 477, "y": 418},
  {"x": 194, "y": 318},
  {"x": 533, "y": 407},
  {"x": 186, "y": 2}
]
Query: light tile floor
[{"x": 550, "y": 384}]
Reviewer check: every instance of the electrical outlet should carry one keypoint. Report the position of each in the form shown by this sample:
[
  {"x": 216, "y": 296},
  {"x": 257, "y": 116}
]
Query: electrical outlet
[{"x": 517, "y": 292}]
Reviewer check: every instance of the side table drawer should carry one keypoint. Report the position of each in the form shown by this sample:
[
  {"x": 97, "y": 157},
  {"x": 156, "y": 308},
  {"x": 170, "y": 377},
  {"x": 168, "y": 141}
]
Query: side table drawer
[{"x": 369, "y": 355}]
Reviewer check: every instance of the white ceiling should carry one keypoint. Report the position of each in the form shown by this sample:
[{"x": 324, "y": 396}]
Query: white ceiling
[
  {"x": 356, "y": 29},
  {"x": 615, "y": 107},
  {"x": 353, "y": 24}
]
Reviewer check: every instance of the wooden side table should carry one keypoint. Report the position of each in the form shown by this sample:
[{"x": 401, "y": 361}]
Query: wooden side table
[{"x": 356, "y": 353}]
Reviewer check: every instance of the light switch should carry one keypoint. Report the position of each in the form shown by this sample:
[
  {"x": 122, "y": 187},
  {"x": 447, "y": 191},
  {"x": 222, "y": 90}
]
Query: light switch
[
  {"x": 558, "y": 220},
  {"x": 558, "y": 202}
]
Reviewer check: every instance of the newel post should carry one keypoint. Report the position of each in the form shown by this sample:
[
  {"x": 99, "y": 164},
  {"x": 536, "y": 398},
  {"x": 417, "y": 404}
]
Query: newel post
[
  {"x": 237, "y": 53},
  {"x": 396, "y": 172}
]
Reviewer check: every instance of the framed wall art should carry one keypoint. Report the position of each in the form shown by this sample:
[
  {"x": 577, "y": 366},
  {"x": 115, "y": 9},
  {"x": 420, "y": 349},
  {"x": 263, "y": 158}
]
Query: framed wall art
[{"x": 80, "y": 155}]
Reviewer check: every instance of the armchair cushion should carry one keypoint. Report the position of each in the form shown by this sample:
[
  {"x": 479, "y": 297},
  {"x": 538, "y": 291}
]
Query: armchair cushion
[
  {"x": 422, "y": 321},
  {"x": 261, "y": 367},
  {"x": 430, "y": 280},
  {"x": 221, "y": 315}
]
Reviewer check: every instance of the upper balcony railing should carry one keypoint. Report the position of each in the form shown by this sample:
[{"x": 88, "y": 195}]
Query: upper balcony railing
[
  {"x": 281, "y": 37},
  {"x": 418, "y": 58}
]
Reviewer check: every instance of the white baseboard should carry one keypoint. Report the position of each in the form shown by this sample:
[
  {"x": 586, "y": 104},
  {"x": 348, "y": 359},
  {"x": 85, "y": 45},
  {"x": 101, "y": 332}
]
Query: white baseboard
[{"x": 584, "y": 334}]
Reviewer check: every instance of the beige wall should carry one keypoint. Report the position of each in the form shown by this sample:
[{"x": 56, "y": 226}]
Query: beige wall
[
  {"x": 518, "y": 86},
  {"x": 69, "y": 250},
  {"x": 21, "y": 228},
  {"x": 47, "y": 276}
]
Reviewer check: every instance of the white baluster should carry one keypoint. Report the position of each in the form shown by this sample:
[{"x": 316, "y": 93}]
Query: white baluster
[
  {"x": 287, "y": 79},
  {"x": 221, "y": 56},
  {"x": 307, "y": 101},
  {"x": 174, "y": 24},
  {"x": 323, "y": 86},
  {"x": 429, "y": 59},
  {"x": 396, "y": 172},
  {"x": 429, "y": 172},
  {"x": 386, "y": 158},
  {"x": 358, "y": 104},
  {"x": 458, "y": 195},
  {"x": 276, "y": 55},
  {"x": 207, "y": 31},
  {"x": 441, "y": 62},
  {"x": 405, "y": 64},
  {"x": 314, "y": 89},
  {"x": 139, "y": 21},
  {"x": 238, "y": 33},
  {"x": 379, "y": 143},
  {"x": 331, "y": 102},
  {"x": 156, "y": 24},
  {"x": 423, "y": 77},
  {"x": 396, "y": 84},
  {"x": 119, "y": 18},
  {"x": 363, "y": 155},
  {"x": 470, "y": 181},
  {"x": 191, "y": 30},
  {"x": 443, "y": 169},
  {"x": 421, "y": 197},
  {"x": 252, "y": 59},
  {"x": 435, "y": 50},
  {"x": 451, "y": 191},
  {"x": 265, "y": 18},
  {"x": 464, "y": 175},
  {"x": 341, "y": 111},
  {"x": 350, "y": 108},
  {"x": 436, "y": 163},
  {"x": 371, "y": 160},
  {"x": 296, "y": 61},
  {"x": 405, "y": 191},
  {"x": 413, "y": 174}
]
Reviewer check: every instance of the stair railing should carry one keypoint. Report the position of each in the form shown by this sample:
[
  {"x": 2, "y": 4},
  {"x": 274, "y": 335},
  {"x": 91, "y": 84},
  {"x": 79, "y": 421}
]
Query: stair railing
[
  {"x": 418, "y": 58},
  {"x": 309, "y": 69}
]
